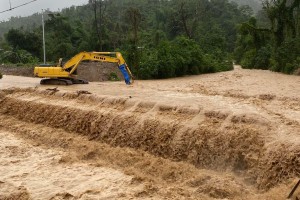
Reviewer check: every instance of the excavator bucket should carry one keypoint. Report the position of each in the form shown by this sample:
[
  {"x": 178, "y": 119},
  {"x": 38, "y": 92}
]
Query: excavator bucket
[{"x": 125, "y": 74}]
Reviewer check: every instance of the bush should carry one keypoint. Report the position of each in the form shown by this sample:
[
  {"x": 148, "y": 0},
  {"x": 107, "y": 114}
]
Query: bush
[
  {"x": 149, "y": 65},
  {"x": 248, "y": 59},
  {"x": 113, "y": 77},
  {"x": 262, "y": 58},
  {"x": 180, "y": 57},
  {"x": 17, "y": 57},
  {"x": 214, "y": 64},
  {"x": 287, "y": 55}
]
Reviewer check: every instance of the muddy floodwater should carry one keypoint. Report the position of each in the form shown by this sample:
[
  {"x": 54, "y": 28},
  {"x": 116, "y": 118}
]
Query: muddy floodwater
[{"x": 230, "y": 135}]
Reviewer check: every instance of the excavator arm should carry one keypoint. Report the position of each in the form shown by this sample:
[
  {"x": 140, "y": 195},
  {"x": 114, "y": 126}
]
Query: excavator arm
[{"x": 67, "y": 72}]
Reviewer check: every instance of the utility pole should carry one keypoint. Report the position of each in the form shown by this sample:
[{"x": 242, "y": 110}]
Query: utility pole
[
  {"x": 44, "y": 44},
  {"x": 9, "y": 5}
]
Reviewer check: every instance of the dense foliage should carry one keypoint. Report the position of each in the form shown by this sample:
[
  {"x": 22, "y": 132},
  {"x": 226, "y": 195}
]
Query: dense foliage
[
  {"x": 275, "y": 44},
  {"x": 159, "y": 38}
]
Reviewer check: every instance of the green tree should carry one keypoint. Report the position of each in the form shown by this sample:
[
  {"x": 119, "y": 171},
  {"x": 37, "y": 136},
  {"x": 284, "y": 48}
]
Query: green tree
[
  {"x": 29, "y": 41},
  {"x": 276, "y": 46},
  {"x": 283, "y": 15}
]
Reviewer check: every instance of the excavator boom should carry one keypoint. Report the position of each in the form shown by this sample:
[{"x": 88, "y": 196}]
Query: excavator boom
[{"x": 67, "y": 74}]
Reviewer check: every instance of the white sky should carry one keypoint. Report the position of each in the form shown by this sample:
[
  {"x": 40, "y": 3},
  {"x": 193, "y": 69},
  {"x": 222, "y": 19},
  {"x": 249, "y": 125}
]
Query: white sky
[{"x": 34, "y": 7}]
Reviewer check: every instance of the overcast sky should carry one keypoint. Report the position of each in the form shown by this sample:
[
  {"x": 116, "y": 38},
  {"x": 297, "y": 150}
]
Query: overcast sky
[{"x": 35, "y": 6}]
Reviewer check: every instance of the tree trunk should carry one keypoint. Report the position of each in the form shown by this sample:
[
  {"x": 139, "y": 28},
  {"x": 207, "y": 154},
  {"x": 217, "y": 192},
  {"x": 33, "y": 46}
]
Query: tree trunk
[
  {"x": 99, "y": 20},
  {"x": 183, "y": 17}
]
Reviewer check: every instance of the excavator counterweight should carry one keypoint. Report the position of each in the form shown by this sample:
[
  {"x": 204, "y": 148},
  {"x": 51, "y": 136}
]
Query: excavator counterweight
[{"x": 67, "y": 74}]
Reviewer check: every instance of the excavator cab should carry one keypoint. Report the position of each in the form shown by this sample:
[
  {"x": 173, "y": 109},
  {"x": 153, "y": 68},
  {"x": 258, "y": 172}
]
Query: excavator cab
[{"x": 60, "y": 62}]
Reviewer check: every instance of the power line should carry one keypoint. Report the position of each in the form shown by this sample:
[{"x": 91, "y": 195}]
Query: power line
[{"x": 12, "y": 8}]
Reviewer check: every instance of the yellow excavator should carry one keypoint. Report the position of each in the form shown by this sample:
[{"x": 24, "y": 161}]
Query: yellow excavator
[{"x": 67, "y": 74}]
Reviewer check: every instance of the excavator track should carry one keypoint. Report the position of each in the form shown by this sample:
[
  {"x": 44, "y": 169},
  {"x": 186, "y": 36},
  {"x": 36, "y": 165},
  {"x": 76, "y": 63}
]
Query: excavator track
[
  {"x": 56, "y": 81},
  {"x": 62, "y": 81},
  {"x": 79, "y": 81}
]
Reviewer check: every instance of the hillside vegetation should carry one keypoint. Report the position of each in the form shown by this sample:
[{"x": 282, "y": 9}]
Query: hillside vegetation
[{"x": 159, "y": 38}]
